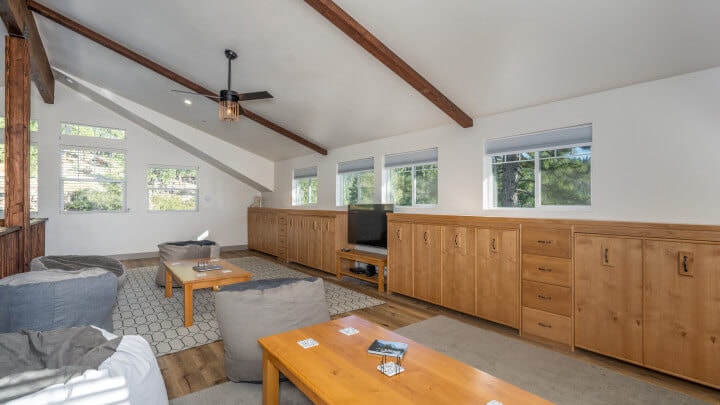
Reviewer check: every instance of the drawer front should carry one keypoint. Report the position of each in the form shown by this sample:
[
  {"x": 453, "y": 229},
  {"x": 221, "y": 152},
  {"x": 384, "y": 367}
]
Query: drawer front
[
  {"x": 547, "y": 242},
  {"x": 545, "y": 269},
  {"x": 546, "y": 325},
  {"x": 546, "y": 297},
  {"x": 282, "y": 219},
  {"x": 282, "y": 229},
  {"x": 282, "y": 240}
]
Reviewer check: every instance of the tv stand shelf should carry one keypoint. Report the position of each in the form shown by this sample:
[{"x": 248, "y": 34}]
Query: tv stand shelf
[{"x": 379, "y": 260}]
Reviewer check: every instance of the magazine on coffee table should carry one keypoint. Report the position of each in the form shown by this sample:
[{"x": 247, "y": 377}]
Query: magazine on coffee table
[{"x": 388, "y": 348}]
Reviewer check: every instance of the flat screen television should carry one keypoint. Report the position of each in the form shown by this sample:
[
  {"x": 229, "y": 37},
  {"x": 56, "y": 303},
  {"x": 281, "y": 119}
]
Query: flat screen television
[{"x": 367, "y": 224}]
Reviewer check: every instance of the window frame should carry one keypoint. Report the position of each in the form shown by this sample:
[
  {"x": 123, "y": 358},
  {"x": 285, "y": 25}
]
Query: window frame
[
  {"x": 95, "y": 129},
  {"x": 298, "y": 179},
  {"x": 387, "y": 175},
  {"x": 537, "y": 150},
  {"x": 37, "y": 180},
  {"x": 172, "y": 167},
  {"x": 349, "y": 169},
  {"x": 122, "y": 182}
]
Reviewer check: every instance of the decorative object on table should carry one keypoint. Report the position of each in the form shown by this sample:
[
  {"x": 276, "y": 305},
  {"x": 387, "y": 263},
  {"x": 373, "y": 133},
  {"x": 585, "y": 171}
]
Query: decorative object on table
[
  {"x": 389, "y": 349},
  {"x": 203, "y": 265}
]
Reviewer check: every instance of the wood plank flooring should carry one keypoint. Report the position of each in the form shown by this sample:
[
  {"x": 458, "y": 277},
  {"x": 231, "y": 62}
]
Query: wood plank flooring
[{"x": 202, "y": 367}]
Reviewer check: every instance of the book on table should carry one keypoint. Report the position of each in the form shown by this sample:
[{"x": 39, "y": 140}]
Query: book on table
[{"x": 388, "y": 348}]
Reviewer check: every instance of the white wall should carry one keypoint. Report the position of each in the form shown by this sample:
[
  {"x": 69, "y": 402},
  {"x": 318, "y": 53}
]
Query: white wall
[
  {"x": 655, "y": 154},
  {"x": 222, "y": 201}
]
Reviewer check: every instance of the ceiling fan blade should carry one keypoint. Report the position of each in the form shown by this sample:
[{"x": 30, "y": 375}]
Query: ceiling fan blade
[
  {"x": 195, "y": 94},
  {"x": 257, "y": 95}
]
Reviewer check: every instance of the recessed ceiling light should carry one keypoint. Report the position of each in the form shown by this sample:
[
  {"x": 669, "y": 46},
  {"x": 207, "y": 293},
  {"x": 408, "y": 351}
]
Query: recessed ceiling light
[{"x": 188, "y": 102}]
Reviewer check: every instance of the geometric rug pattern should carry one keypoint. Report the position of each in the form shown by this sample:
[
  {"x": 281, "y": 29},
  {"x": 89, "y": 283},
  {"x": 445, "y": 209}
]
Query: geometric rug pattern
[{"x": 142, "y": 308}]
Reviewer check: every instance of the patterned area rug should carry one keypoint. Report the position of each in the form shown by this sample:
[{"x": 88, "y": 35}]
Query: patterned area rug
[{"x": 142, "y": 308}]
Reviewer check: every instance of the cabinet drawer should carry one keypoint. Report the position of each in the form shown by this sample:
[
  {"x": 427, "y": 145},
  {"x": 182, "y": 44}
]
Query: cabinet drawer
[
  {"x": 282, "y": 219},
  {"x": 545, "y": 269},
  {"x": 282, "y": 229},
  {"x": 546, "y": 297},
  {"x": 282, "y": 240},
  {"x": 547, "y": 241},
  {"x": 546, "y": 325}
]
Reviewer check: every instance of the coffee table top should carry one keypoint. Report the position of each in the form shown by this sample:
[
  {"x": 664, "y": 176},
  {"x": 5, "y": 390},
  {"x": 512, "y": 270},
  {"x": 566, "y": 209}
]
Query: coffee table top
[
  {"x": 339, "y": 369},
  {"x": 182, "y": 271}
]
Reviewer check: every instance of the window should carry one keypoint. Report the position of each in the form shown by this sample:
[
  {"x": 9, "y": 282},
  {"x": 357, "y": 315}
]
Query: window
[
  {"x": 550, "y": 168},
  {"x": 304, "y": 191},
  {"x": 172, "y": 188},
  {"x": 356, "y": 182},
  {"x": 90, "y": 131},
  {"x": 412, "y": 178},
  {"x": 33, "y": 170},
  {"x": 92, "y": 179}
]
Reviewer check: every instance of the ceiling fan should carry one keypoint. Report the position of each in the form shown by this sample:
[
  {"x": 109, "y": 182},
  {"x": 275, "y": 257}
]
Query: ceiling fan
[{"x": 229, "y": 100}]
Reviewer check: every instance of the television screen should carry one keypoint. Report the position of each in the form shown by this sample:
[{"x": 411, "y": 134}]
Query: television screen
[{"x": 367, "y": 224}]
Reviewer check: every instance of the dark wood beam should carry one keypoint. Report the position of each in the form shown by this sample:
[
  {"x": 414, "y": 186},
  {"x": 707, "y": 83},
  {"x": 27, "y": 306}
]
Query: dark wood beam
[
  {"x": 17, "y": 143},
  {"x": 20, "y": 22},
  {"x": 367, "y": 40},
  {"x": 161, "y": 70}
]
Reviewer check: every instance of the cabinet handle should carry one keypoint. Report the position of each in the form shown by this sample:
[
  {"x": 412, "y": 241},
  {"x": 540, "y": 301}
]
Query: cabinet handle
[
  {"x": 457, "y": 242},
  {"x": 425, "y": 237},
  {"x": 545, "y": 269},
  {"x": 685, "y": 260},
  {"x": 543, "y": 297},
  {"x": 545, "y": 325},
  {"x": 397, "y": 233},
  {"x": 607, "y": 253},
  {"x": 545, "y": 242},
  {"x": 493, "y": 244}
]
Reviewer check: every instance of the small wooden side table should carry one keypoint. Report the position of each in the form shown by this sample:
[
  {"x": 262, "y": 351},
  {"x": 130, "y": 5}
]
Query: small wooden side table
[{"x": 379, "y": 260}]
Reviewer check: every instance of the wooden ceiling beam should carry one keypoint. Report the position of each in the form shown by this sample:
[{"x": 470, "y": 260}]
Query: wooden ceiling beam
[
  {"x": 367, "y": 40},
  {"x": 20, "y": 22},
  {"x": 159, "y": 69}
]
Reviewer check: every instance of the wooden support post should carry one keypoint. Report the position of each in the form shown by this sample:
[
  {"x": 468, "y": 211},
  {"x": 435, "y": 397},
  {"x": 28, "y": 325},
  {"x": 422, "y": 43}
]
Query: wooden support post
[{"x": 17, "y": 143}]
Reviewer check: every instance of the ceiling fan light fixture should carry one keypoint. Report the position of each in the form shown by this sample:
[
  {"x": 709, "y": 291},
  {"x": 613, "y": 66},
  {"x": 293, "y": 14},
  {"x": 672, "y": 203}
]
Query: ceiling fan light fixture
[{"x": 229, "y": 106}]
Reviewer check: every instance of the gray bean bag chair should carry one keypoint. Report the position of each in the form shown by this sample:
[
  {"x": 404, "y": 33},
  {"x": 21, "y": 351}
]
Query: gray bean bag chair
[
  {"x": 183, "y": 250},
  {"x": 52, "y": 299},
  {"x": 251, "y": 310},
  {"x": 77, "y": 262}
]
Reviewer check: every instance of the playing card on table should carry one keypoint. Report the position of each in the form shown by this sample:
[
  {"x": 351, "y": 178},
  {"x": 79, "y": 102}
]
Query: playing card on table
[
  {"x": 307, "y": 343},
  {"x": 349, "y": 331}
]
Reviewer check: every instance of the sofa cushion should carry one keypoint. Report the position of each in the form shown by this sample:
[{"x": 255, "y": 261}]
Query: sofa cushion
[
  {"x": 45, "y": 300},
  {"x": 79, "y": 262},
  {"x": 183, "y": 250},
  {"x": 251, "y": 310}
]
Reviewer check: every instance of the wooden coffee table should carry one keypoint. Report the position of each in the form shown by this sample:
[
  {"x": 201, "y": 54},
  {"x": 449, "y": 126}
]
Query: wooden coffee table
[
  {"x": 182, "y": 272},
  {"x": 339, "y": 370}
]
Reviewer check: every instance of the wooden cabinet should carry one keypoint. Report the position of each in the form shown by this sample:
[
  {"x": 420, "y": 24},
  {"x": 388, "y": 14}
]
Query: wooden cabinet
[
  {"x": 498, "y": 276},
  {"x": 682, "y": 309},
  {"x": 608, "y": 296},
  {"x": 546, "y": 283},
  {"x": 400, "y": 258},
  {"x": 458, "y": 268},
  {"x": 262, "y": 230},
  {"x": 314, "y": 235},
  {"x": 282, "y": 248},
  {"x": 329, "y": 243},
  {"x": 427, "y": 262}
]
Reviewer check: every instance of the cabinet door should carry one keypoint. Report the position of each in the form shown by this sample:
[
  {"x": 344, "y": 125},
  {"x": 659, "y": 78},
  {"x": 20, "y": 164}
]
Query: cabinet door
[
  {"x": 329, "y": 244},
  {"x": 608, "y": 296},
  {"x": 682, "y": 309},
  {"x": 458, "y": 268},
  {"x": 427, "y": 262},
  {"x": 498, "y": 276},
  {"x": 303, "y": 232},
  {"x": 400, "y": 258},
  {"x": 314, "y": 235},
  {"x": 252, "y": 230}
]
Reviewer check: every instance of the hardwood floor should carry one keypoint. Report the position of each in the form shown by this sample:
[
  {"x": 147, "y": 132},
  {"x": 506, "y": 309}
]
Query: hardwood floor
[{"x": 202, "y": 367}]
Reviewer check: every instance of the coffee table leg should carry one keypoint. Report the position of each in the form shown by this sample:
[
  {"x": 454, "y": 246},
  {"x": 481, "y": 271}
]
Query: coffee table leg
[
  {"x": 271, "y": 381},
  {"x": 168, "y": 283},
  {"x": 188, "y": 305}
]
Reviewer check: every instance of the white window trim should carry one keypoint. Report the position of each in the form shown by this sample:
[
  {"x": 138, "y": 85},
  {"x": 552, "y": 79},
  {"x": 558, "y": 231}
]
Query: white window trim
[
  {"x": 62, "y": 180},
  {"x": 123, "y": 139},
  {"x": 340, "y": 187},
  {"x": 388, "y": 192},
  {"x": 197, "y": 188},
  {"x": 308, "y": 179},
  {"x": 2, "y": 211}
]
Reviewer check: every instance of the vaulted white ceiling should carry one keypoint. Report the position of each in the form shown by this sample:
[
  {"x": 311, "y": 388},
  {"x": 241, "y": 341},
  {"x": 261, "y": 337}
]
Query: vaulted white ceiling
[{"x": 487, "y": 56}]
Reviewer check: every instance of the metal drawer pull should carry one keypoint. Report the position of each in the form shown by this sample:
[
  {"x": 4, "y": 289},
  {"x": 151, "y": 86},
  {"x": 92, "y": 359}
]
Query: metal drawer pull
[
  {"x": 543, "y": 297},
  {"x": 544, "y": 269},
  {"x": 545, "y": 325},
  {"x": 545, "y": 242}
]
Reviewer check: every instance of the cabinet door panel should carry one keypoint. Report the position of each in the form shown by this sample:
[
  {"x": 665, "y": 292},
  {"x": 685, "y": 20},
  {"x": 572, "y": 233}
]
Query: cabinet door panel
[
  {"x": 400, "y": 258},
  {"x": 498, "y": 276},
  {"x": 682, "y": 309},
  {"x": 427, "y": 262},
  {"x": 328, "y": 244},
  {"x": 608, "y": 296},
  {"x": 458, "y": 268},
  {"x": 314, "y": 240},
  {"x": 303, "y": 232}
]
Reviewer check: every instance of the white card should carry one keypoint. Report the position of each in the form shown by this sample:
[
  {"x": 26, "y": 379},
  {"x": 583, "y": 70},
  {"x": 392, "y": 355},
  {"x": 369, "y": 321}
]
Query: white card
[
  {"x": 225, "y": 271},
  {"x": 201, "y": 274},
  {"x": 390, "y": 368},
  {"x": 307, "y": 343},
  {"x": 349, "y": 331}
]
